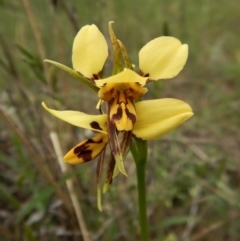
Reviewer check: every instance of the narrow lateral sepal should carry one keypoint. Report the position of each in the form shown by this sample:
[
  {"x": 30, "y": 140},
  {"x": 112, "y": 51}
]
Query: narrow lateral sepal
[
  {"x": 115, "y": 147},
  {"x": 99, "y": 178}
]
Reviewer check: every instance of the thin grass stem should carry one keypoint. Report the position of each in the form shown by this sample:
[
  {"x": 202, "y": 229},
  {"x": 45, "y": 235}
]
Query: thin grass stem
[
  {"x": 70, "y": 187},
  {"x": 38, "y": 162},
  {"x": 37, "y": 36}
]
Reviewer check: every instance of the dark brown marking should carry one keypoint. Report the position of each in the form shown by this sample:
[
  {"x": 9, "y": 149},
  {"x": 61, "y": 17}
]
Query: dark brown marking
[
  {"x": 142, "y": 74},
  {"x": 110, "y": 169},
  {"x": 95, "y": 76},
  {"x": 130, "y": 115},
  {"x": 132, "y": 101},
  {"x": 95, "y": 125},
  {"x": 90, "y": 79},
  {"x": 118, "y": 115},
  {"x": 83, "y": 151},
  {"x": 112, "y": 91}
]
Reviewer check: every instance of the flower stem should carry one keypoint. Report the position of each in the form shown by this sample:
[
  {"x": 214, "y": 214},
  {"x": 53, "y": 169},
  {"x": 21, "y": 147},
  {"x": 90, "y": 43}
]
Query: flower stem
[
  {"x": 142, "y": 207},
  {"x": 139, "y": 152}
]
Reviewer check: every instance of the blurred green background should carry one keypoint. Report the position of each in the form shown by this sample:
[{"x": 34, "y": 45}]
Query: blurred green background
[{"x": 193, "y": 173}]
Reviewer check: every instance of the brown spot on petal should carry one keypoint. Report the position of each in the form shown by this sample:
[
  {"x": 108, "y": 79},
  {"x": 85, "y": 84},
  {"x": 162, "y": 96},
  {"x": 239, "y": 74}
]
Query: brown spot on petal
[
  {"x": 119, "y": 113},
  {"x": 83, "y": 151},
  {"x": 95, "y": 76},
  {"x": 142, "y": 74},
  {"x": 131, "y": 116},
  {"x": 95, "y": 125}
]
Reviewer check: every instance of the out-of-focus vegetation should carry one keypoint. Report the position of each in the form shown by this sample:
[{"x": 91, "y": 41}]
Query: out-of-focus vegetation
[{"x": 193, "y": 174}]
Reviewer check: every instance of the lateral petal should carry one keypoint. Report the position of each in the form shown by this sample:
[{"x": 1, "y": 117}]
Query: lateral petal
[
  {"x": 80, "y": 119},
  {"x": 162, "y": 58},
  {"x": 86, "y": 150},
  {"x": 158, "y": 117},
  {"x": 89, "y": 51}
]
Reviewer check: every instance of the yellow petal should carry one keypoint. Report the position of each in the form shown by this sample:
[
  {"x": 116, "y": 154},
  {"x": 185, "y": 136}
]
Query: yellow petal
[
  {"x": 126, "y": 76},
  {"x": 90, "y": 51},
  {"x": 158, "y": 117},
  {"x": 86, "y": 150},
  {"x": 80, "y": 119},
  {"x": 163, "y": 58}
]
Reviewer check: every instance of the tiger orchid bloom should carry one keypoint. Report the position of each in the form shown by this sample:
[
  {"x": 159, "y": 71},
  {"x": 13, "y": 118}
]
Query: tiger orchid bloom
[{"x": 161, "y": 58}]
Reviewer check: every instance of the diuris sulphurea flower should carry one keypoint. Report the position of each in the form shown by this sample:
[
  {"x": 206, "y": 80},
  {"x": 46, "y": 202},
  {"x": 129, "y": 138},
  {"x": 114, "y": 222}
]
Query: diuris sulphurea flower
[{"x": 161, "y": 58}]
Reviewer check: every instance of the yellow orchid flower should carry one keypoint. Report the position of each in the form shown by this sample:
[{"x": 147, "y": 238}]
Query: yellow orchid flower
[{"x": 161, "y": 58}]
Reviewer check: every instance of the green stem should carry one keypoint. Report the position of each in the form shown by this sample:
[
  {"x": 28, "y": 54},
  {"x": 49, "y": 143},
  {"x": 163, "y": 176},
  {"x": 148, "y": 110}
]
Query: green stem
[
  {"x": 142, "y": 205},
  {"x": 139, "y": 152}
]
